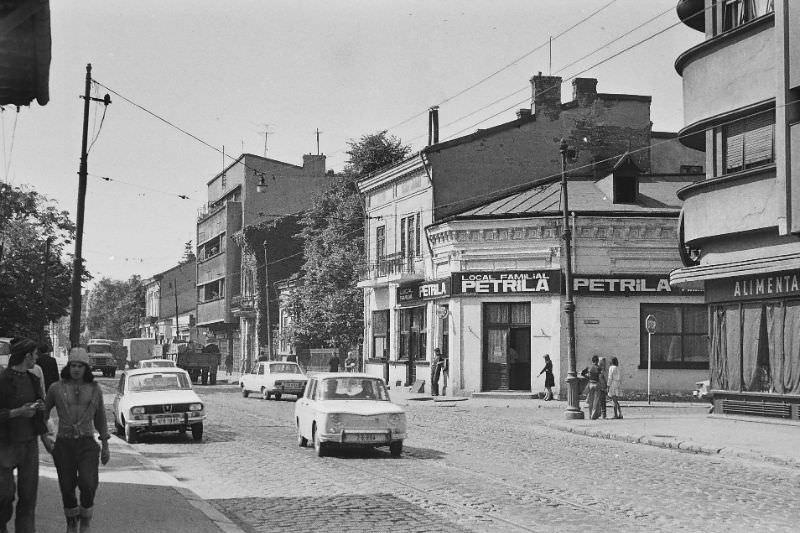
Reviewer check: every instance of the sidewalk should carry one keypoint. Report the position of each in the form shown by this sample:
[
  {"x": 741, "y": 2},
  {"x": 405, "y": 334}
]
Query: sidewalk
[
  {"x": 680, "y": 426},
  {"x": 134, "y": 495}
]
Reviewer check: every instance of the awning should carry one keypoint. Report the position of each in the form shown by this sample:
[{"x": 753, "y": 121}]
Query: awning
[{"x": 762, "y": 265}]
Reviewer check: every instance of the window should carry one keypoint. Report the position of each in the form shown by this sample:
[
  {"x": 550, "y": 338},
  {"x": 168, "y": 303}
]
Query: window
[
  {"x": 738, "y": 12},
  {"x": 380, "y": 243},
  {"x": 410, "y": 236},
  {"x": 747, "y": 143},
  {"x": 681, "y": 337},
  {"x": 413, "y": 333},
  {"x": 211, "y": 291},
  {"x": 380, "y": 334}
]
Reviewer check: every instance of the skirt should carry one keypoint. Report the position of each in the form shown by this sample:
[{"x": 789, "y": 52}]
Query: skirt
[{"x": 549, "y": 380}]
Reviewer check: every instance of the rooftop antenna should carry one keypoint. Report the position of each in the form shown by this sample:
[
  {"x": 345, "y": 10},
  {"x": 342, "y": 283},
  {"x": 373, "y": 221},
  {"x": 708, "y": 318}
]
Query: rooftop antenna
[
  {"x": 265, "y": 133},
  {"x": 318, "y": 132}
]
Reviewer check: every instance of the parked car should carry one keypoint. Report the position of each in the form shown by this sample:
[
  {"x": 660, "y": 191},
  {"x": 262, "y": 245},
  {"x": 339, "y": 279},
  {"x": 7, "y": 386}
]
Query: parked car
[
  {"x": 274, "y": 379},
  {"x": 702, "y": 390},
  {"x": 157, "y": 363},
  {"x": 157, "y": 399},
  {"x": 5, "y": 351},
  {"x": 349, "y": 409}
]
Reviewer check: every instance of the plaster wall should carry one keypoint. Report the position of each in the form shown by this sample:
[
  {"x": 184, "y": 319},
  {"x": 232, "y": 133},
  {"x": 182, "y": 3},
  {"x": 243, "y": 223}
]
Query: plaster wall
[{"x": 668, "y": 154}]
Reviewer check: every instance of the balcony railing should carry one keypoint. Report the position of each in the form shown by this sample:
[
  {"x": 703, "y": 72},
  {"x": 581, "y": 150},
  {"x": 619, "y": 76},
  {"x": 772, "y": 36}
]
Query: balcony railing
[{"x": 390, "y": 265}]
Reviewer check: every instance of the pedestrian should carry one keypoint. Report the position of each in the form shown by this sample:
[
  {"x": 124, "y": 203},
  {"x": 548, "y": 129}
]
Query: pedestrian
[
  {"x": 351, "y": 362},
  {"x": 614, "y": 384},
  {"x": 21, "y": 420},
  {"x": 592, "y": 396},
  {"x": 445, "y": 365},
  {"x": 549, "y": 380},
  {"x": 333, "y": 363},
  {"x": 228, "y": 364},
  {"x": 436, "y": 368},
  {"x": 602, "y": 387},
  {"x": 78, "y": 400},
  {"x": 48, "y": 365}
]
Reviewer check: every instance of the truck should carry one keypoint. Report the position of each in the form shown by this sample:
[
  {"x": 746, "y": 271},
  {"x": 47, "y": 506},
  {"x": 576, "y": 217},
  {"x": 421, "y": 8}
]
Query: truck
[
  {"x": 102, "y": 356},
  {"x": 198, "y": 360},
  {"x": 139, "y": 348}
]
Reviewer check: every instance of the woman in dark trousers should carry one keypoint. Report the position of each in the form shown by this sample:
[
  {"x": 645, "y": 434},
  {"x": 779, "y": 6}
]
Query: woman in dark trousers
[{"x": 549, "y": 379}]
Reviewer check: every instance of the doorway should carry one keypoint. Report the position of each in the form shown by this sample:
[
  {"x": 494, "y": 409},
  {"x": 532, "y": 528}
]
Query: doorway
[{"x": 507, "y": 346}]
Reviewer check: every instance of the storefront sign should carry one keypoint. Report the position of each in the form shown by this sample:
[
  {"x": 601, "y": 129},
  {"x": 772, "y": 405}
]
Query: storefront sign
[
  {"x": 428, "y": 290},
  {"x": 507, "y": 282},
  {"x": 640, "y": 284},
  {"x": 774, "y": 285}
]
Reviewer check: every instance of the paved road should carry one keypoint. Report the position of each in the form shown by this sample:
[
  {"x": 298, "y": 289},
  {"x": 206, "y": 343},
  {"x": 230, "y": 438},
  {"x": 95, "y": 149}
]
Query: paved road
[{"x": 465, "y": 469}]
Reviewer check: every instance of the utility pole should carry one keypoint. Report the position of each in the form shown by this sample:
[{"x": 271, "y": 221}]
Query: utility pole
[
  {"x": 318, "y": 132},
  {"x": 175, "y": 290},
  {"x": 573, "y": 410},
  {"x": 266, "y": 306},
  {"x": 77, "y": 266}
]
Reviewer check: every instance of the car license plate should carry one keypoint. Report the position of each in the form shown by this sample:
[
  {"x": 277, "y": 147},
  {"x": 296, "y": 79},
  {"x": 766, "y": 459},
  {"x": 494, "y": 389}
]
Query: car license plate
[
  {"x": 365, "y": 437},
  {"x": 169, "y": 420}
]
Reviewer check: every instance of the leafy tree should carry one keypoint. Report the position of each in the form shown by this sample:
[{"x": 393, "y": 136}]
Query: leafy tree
[
  {"x": 35, "y": 271},
  {"x": 327, "y": 303},
  {"x": 114, "y": 308}
]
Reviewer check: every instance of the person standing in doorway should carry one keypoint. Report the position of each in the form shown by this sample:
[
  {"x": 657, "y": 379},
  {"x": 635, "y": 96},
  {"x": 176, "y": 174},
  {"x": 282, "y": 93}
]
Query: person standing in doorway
[
  {"x": 549, "y": 379},
  {"x": 78, "y": 400},
  {"x": 436, "y": 368},
  {"x": 21, "y": 420},
  {"x": 614, "y": 385}
]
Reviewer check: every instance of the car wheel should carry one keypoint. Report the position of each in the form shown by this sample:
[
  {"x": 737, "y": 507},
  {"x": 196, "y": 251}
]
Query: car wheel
[
  {"x": 119, "y": 429},
  {"x": 301, "y": 440},
  {"x": 197, "y": 431},
  {"x": 277, "y": 395},
  {"x": 245, "y": 392},
  {"x": 130, "y": 433},
  {"x": 320, "y": 447},
  {"x": 264, "y": 394},
  {"x": 396, "y": 448}
]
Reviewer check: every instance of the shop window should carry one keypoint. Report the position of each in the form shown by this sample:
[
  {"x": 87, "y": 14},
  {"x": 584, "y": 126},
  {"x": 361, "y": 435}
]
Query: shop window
[
  {"x": 413, "y": 333},
  {"x": 380, "y": 334},
  {"x": 681, "y": 337}
]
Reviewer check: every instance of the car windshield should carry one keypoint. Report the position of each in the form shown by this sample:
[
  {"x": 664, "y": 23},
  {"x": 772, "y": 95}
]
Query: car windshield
[
  {"x": 158, "y": 364},
  {"x": 98, "y": 348},
  {"x": 153, "y": 382},
  {"x": 285, "y": 368},
  {"x": 353, "y": 389}
]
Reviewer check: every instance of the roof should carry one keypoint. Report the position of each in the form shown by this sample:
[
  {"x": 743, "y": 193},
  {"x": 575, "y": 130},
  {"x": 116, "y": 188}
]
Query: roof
[
  {"x": 244, "y": 156},
  {"x": 657, "y": 195}
]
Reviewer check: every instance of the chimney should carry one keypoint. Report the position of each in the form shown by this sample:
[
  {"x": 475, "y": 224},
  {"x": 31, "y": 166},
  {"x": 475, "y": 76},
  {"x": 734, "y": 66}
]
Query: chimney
[
  {"x": 546, "y": 95},
  {"x": 524, "y": 112},
  {"x": 584, "y": 91},
  {"x": 433, "y": 125},
  {"x": 314, "y": 165}
]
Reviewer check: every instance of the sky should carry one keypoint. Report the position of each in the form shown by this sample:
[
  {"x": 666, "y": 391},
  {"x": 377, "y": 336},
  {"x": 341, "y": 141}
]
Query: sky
[{"x": 225, "y": 72}]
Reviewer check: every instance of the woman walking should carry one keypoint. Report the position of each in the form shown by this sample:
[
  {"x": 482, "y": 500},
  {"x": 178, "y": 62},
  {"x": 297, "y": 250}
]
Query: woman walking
[
  {"x": 549, "y": 380},
  {"x": 614, "y": 383},
  {"x": 79, "y": 402}
]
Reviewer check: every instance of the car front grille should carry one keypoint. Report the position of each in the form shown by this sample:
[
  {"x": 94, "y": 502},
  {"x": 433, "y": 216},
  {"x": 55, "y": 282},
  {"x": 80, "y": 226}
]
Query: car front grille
[{"x": 166, "y": 408}]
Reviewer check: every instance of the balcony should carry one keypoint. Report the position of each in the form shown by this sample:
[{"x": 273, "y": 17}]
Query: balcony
[
  {"x": 394, "y": 266},
  {"x": 244, "y": 305},
  {"x": 210, "y": 312}
]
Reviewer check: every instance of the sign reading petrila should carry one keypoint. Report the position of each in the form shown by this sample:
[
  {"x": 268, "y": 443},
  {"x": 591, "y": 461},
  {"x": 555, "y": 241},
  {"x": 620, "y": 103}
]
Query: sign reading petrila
[
  {"x": 507, "y": 282},
  {"x": 773, "y": 285}
]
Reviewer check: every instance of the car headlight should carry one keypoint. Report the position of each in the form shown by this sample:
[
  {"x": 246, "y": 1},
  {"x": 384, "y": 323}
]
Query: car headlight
[
  {"x": 196, "y": 407},
  {"x": 137, "y": 410},
  {"x": 394, "y": 419},
  {"x": 334, "y": 423}
]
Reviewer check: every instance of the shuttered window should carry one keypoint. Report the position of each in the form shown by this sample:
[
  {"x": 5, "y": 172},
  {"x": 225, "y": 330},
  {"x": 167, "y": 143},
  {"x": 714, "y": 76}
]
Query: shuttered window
[{"x": 748, "y": 143}]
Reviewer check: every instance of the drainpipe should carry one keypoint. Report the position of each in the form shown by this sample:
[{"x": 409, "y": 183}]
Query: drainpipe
[{"x": 574, "y": 242}]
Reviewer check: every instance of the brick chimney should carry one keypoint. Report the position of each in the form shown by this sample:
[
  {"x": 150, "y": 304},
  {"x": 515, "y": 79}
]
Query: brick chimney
[
  {"x": 546, "y": 96},
  {"x": 314, "y": 165},
  {"x": 584, "y": 91},
  {"x": 524, "y": 112}
]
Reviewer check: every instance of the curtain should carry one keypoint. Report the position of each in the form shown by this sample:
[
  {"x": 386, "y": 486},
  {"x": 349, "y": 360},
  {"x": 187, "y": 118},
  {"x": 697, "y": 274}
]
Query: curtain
[
  {"x": 521, "y": 313},
  {"x": 733, "y": 347},
  {"x": 497, "y": 341},
  {"x": 718, "y": 359},
  {"x": 751, "y": 338},
  {"x": 497, "y": 313},
  {"x": 791, "y": 349},
  {"x": 775, "y": 317}
]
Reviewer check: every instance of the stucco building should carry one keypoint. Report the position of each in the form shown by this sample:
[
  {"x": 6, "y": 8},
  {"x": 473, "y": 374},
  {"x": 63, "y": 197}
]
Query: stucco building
[{"x": 740, "y": 224}]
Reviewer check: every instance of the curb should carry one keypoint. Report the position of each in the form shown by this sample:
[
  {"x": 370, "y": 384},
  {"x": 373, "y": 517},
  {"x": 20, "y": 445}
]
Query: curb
[
  {"x": 225, "y": 524},
  {"x": 673, "y": 444}
]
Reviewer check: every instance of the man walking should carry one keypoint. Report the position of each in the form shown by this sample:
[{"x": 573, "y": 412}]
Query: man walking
[
  {"x": 21, "y": 420},
  {"x": 47, "y": 364}
]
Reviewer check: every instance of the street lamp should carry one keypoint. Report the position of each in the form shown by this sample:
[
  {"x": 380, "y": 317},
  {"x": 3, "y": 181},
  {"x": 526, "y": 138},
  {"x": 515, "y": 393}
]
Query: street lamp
[{"x": 573, "y": 410}]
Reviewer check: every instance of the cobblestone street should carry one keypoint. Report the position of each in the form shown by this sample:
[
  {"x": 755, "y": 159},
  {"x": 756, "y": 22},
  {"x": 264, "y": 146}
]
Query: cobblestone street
[{"x": 465, "y": 467}]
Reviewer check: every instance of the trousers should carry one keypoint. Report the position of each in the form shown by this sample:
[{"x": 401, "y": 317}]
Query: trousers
[
  {"x": 24, "y": 456},
  {"x": 77, "y": 462}
]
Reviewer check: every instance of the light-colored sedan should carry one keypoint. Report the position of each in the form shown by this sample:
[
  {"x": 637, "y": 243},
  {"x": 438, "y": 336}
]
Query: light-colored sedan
[
  {"x": 349, "y": 409},
  {"x": 274, "y": 379},
  {"x": 157, "y": 399},
  {"x": 156, "y": 363}
]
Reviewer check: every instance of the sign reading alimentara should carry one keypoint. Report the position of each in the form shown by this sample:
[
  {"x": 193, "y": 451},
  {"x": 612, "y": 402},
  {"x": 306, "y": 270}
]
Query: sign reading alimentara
[
  {"x": 426, "y": 290},
  {"x": 639, "y": 284},
  {"x": 507, "y": 282},
  {"x": 773, "y": 285}
]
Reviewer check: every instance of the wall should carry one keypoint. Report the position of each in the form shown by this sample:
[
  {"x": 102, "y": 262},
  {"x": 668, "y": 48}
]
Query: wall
[
  {"x": 186, "y": 278},
  {"x": 667, "y": 154}
]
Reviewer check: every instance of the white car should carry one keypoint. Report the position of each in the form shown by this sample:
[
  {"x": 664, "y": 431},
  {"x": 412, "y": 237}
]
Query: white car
[
  {"x": 157, "y": 399},
  {"x": 349, "y": 409},
  {"x": 156, "y": 363},
  {"x": 274, "y": 379},
  {"x": 5, "y": 351}
]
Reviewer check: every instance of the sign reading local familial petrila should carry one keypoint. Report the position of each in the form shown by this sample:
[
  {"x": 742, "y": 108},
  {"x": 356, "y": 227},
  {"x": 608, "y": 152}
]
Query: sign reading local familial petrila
[{"x": 507, "y": 282}]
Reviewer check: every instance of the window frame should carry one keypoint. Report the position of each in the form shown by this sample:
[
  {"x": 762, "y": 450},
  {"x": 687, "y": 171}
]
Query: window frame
[
  {"x": 723, "y": 136},
  {"x": 646, "y": 309}
]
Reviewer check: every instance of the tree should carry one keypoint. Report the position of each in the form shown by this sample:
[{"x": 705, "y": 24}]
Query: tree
[
  {"x": 328, "y": 305},
  {"x": 35, "y": 272},
  {"x": 115, "y": 307}
]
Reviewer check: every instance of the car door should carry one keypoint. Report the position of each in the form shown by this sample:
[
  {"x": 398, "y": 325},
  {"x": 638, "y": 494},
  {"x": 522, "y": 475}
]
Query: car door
[
  {"x": 118, "y": 396},
  {"x": 303, "y": 408}
]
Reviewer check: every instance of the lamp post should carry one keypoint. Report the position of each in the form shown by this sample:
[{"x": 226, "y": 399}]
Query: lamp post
[{"x": 573, "y": 410}]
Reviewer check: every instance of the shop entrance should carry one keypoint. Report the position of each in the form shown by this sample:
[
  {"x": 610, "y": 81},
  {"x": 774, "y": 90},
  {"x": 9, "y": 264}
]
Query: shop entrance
[{"x": 507, "y": 347}]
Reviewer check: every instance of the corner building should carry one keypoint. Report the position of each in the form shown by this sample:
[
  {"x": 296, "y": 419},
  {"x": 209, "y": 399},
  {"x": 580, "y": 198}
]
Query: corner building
[{"x": 740, "y": 225}]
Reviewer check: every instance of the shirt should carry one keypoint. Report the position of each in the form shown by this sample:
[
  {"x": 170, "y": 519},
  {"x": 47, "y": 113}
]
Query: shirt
[{"x": 80, "y": 409}]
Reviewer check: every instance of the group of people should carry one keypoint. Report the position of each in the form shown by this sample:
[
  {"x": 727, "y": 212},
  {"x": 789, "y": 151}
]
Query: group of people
[
  {"x": 30, "y": 387},
  {"x": 603, "y": 383}
]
